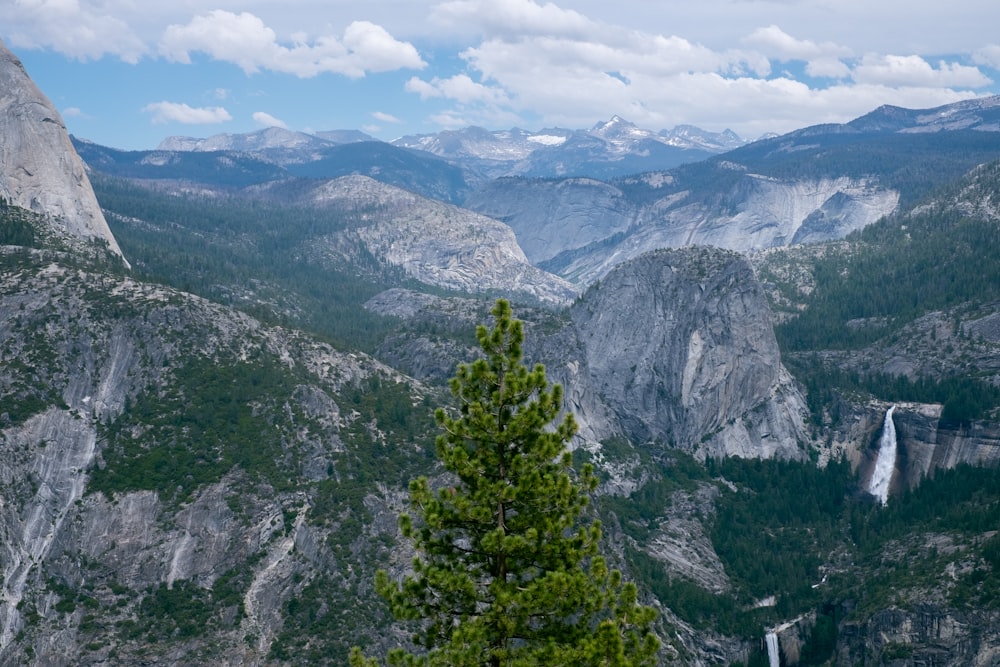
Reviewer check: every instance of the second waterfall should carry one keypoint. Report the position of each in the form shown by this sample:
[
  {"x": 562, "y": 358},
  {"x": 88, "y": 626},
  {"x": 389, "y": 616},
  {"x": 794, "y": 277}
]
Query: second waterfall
[{"x": 886, "y": 461}]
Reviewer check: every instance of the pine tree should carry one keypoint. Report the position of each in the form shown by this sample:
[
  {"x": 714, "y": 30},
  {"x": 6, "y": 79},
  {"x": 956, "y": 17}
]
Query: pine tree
[{"x": 507, "y": 572}]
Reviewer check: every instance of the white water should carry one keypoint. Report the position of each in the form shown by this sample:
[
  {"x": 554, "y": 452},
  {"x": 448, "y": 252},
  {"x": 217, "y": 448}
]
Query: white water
[
  {"x": 886, "y": 461},
  {"x": 773, "y": 659}
]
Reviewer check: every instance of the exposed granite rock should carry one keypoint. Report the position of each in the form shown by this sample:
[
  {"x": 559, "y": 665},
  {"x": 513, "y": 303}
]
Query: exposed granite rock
[
  {"x": 39, "y": 169},
  {"x": 436, "y": 243},
  {"x": 680, "y": 345},
  {"x": 76, "y": 349},
  {"x": 926, "y": 634},
  {"x": 926, "y": 444},
  {"x": 551, "y": 217},
  {"x": 582, "y": 229}
]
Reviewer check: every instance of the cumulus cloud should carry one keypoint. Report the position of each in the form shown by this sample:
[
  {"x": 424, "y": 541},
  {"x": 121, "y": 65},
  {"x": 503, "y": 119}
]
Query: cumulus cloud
[
  {"x": 460, "y": 88},
  {"x": 174, "y": 112},
  {"x": 245, "y": 40},
  {"x": 828, "y": 68},
  {"x": 538, "y": 60},
  {"x": 914, "y": 71},
  {"x": 81, "y": 31},
  {"x": 774, "y": 42},
  {"x": 267, "y": 120}
]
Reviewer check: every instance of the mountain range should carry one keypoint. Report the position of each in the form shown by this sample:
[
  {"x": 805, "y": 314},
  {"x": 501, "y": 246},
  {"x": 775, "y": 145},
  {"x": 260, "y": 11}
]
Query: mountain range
[
  {"x": 205, "y": 448},
  {"x": 610, "y": 148}
]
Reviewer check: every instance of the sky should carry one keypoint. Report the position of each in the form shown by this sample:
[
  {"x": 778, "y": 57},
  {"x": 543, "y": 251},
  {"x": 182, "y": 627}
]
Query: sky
[{"x": 128, "y": 73}]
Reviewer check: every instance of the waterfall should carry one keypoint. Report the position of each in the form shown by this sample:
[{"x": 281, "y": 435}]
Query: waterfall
[
  {"x": 886, "y": 461},
  {"x": 773, "y": 659}
]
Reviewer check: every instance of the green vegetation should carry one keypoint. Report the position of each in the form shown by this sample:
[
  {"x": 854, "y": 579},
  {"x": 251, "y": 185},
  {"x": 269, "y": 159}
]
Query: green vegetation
[
  {"x": 884, "y": 278},
  {"x": 506, "y": 573},
  {"x": 895, "y": 271},
  {"x": 17, "y": 226},
  {"x": 256, "y": 256},
  {"x": 808, "y": 537},
  {"x": 639, "y": 513},
  {"x": 206, "y": 423},
  {"x": 964, "y": 397},
  {"x": 774, "y": 531}
]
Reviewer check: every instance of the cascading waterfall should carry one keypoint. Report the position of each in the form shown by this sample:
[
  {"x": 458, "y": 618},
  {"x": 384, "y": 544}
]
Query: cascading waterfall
[
  {"x": 886, "y": 461},
  {"x": 773, "y": 658}
]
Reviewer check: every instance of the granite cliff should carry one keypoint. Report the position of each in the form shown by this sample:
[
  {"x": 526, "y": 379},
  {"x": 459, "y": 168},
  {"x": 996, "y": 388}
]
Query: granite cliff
[
  {"x": 39, "y": 169},
  {"x": 680, "y": 344}
]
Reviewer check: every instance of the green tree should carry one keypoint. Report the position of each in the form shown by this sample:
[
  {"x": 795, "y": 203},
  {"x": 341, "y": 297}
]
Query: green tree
[{"x": 507, "y": 572}]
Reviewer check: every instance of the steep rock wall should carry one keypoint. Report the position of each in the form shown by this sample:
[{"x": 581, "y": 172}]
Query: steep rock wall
[
  {"x": 925, "y": 635},
  {"x": 39, "y": 169},
  {"x": 680, "y": 345}
]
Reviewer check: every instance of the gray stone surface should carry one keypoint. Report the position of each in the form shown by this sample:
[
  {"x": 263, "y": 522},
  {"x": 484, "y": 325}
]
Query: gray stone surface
[{"x": 39, "y": 169}]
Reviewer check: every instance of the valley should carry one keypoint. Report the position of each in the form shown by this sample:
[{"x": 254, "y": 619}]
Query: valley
[{"x": 219, "y": 362}]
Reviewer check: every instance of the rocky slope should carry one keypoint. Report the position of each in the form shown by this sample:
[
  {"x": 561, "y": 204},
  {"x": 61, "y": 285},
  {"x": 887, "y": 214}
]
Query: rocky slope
[
  {"x": 609, "y": 225},
  {"x": 680, "y": 344},
  {"x": 674, "y": 348},
  {"x": 39, "y": 170},
  {"x": 167, "y": 482},
  {"x": 553, "y": 217},
  {"x": 435, "y": 243}
]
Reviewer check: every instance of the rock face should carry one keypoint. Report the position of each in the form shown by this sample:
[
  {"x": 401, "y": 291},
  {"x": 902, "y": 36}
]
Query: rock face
[
  {"x": 925, "y": 635},
  {"x": 581, "y": 229},
  {"x": 39, "y": 169},
  {"x": 927, "y": 444},
  {"x": 680, "y": 345},
  {"x": 554, "y": 217},
  {"x": 436, "y": 243},
  {"x": 758, "y": 213},
  {"x": 87, "y": 565},
  {"x": 674, "y": 347}
]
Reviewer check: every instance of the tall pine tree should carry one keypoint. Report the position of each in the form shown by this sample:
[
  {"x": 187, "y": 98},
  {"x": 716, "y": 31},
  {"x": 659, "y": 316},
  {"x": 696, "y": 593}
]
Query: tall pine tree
[{"x": 507, "y": 572}]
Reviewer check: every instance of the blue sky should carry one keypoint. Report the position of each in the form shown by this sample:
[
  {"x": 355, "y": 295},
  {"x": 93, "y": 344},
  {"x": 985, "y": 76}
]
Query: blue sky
[{"x": 127, "y": 74}]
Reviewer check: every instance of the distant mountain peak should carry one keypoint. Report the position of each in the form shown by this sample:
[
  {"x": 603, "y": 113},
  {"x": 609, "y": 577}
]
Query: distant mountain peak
[
  {"x": 618, "y": 127},
  {"x": 264, "y": 140}
]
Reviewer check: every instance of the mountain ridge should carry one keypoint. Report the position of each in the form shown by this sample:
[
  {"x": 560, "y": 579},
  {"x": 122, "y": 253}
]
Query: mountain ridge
[{"x": 196, "y": 480}]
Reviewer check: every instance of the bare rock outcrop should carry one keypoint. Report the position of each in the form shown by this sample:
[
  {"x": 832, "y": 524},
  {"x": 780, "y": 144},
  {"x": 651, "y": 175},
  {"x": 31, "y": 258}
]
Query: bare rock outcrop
[
  {"x": 680, "y": 345},
  {"x": 925, "y": 635},
  {"x": 39, "y": 169},
  {"x": 436, "y": 243}
]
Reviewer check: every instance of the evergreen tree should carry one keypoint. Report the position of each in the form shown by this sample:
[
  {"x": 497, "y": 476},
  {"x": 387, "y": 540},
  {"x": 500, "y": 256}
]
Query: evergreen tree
[{"x": 506, "y": 572}]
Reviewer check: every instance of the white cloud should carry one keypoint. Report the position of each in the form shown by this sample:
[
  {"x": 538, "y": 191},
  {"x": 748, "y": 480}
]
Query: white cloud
[
  {"x": 76, "y": 30},
  {"x": 774, "y": 42},
  {"x": 828, "y": 68},
  {"x": 914, "y": 71},
  {"x": 267, "y": 120},
  {"x": 174, "y": 112},
  {"x": 512, "y": 18},
  {"x": 425, "y": 89},
  {"x": 385, "y": 117},
  {"x": 557, "y": 65},
  {"x": 244, "y": 39},
  {"x": 73, "y": 112},
  {"x": 460, "y": 88},
  {"x": 988, "y": 56}
]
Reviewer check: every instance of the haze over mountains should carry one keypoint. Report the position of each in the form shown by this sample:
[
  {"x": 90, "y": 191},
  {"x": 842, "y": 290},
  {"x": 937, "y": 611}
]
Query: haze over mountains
[
  {"x": 816, "y": 184},
  {"x": 203, "y": 454},
  {"x": 608, "y": 149}
]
